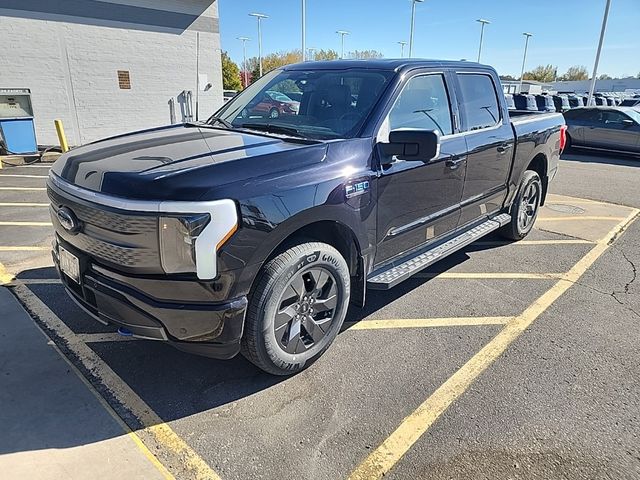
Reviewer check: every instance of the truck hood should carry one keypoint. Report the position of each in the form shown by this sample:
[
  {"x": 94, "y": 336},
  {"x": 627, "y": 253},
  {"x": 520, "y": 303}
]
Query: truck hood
[{"x": 180, "y": 162}]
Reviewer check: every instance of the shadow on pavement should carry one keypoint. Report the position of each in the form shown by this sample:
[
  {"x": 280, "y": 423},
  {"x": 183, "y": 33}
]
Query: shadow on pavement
[{"x": 583, "y": 156}]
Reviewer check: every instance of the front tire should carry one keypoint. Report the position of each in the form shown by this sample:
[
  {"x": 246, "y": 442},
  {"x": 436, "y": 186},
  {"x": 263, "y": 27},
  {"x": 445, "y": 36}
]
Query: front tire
[
  {"x": 524, "y": 209},
  {"x": 297, "y": 308},
  {"x": 274, "y": 113}
]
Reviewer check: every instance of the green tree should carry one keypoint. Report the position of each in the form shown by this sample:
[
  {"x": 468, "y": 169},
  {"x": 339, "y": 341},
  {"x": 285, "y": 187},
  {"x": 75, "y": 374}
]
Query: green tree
[
  {"x": 230, "y": 74},
  {"x": 542, "y": 73},
  {"x": 508, "y": 78},
  {"x": 577, "y": 72},
  {"x": 604, "y": 76}
]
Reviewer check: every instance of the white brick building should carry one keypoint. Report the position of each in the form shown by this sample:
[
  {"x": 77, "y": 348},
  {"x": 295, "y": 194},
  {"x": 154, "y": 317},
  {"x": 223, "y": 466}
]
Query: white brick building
[{"x": 111, "y": 66}]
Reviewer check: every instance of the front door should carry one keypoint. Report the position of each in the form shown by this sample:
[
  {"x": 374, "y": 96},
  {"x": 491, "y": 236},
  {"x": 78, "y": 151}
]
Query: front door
[
  {"x": 490, "y": 145},
  {"x": 419, "y": 202},
  {"x": 612, "y": 132}
]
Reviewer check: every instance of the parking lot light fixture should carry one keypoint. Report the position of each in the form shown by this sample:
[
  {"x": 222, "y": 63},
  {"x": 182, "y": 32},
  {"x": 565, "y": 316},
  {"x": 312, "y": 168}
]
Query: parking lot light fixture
[
  {"x": 402, "y": 44},
  {"x": 259, "y": 16},
  {"x": 524, "y": 57},
  {"x": 413, "y": 21},
  {"x": 483, "y": 22},
  {"x": 342, "y": 34},
  {"x": 245, "y": 79},
  {"x": 592, "y": 86}
]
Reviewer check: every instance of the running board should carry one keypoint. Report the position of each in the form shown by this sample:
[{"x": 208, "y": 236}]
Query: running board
[{"x": 396, "y": 273}]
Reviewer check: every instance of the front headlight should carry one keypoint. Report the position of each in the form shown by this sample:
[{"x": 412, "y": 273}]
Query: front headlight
[
  {"x": 177, "y": 241},
  {"x": 191, "y": 241}
]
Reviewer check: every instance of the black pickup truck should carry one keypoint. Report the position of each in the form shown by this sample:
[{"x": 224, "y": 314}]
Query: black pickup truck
[{"x": 253, "y": 231}]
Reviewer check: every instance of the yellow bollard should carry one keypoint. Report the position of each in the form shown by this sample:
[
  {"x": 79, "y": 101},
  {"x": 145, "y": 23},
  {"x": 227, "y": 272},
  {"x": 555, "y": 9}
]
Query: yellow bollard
[{"x": 61, "y": 136}]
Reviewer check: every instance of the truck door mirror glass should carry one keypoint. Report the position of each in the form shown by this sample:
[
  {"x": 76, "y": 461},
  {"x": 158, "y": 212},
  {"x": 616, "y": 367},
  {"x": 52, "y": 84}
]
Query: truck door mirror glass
[{"x": 412, "y": 145}]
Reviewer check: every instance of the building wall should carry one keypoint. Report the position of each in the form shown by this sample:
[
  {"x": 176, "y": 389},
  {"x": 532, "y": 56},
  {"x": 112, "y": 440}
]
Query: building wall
[
  {"x": 68, "y": 53},
  {"x": 581, "y": 86}
]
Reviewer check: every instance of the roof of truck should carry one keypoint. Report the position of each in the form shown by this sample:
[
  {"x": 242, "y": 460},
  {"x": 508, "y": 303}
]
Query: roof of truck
[{"x": 393, "y": 64}]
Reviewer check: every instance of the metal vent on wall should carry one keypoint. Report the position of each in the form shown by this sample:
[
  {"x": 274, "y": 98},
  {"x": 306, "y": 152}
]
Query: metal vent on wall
[{"x": 124, "y": 80}]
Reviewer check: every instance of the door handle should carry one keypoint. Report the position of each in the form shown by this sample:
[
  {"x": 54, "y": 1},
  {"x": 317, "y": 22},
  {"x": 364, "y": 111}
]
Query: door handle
[
  {"x": 504, "y": 148},
  {"x": 454, "y": 163}
]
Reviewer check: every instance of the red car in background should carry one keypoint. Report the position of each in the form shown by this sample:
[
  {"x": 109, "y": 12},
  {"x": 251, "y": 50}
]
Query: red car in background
[{"x": 272, "y": 104}]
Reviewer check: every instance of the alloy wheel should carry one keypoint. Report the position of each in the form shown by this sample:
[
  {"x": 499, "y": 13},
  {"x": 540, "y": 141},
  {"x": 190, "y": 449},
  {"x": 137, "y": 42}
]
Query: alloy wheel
[{"x": 306, "y": 310}]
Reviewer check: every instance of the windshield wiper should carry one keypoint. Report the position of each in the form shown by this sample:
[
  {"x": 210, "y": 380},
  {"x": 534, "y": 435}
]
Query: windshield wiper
[{"x": 271, "y": 128}]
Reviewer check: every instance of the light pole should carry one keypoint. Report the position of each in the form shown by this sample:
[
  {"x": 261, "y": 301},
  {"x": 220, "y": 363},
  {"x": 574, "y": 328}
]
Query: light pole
[
  {"x": 592, "y": 87},
  {"x": 244, "y": 41},
  {"x": 342, "y": 34},
  {"x": 483, "y": 22},
  {"x": 304, "y": 21},
  {"x": 524, "y": 57},
  {"x": 413, "y": 19},
  {"x": 402, "y": 44},
  {"x": 259, "y": 16}
]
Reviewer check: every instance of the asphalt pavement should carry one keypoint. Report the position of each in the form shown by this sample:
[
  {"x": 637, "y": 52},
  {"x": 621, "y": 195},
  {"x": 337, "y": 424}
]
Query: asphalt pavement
[{"x": 503, "y": 361}]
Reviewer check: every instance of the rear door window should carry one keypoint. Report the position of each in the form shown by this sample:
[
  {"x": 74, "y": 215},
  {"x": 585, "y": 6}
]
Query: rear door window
[{"x": 479, "y": 101}]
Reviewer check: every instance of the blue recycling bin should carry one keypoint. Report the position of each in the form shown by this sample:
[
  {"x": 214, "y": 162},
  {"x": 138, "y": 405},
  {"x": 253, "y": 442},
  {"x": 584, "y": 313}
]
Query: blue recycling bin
[{"x": 17, "y": 128}]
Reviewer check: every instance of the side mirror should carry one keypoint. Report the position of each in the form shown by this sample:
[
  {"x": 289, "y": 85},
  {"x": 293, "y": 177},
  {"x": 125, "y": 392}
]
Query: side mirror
[
  {"x": 628, "y": 123},
  {"x": 412, "y": 144}
]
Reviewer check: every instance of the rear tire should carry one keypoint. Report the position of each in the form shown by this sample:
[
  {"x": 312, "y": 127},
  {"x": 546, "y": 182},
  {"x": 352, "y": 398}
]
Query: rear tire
[
  {"x": 524, "y": 209},
  {"x": 297, "y": 308}
]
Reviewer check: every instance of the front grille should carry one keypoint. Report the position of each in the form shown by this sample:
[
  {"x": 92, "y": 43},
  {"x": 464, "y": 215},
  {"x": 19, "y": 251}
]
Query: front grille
[
  {"x": 106, "y": 219},
  {"x": 121, "y": 239}
]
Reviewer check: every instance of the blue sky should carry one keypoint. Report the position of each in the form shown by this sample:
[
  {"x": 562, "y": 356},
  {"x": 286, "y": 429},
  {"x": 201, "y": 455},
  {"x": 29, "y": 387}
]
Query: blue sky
[{"x": 565, "y": 31}]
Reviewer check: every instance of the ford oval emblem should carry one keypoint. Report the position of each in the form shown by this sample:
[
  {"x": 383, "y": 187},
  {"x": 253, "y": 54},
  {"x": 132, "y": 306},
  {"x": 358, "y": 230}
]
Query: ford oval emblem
[{"x": 68, "y": 220}]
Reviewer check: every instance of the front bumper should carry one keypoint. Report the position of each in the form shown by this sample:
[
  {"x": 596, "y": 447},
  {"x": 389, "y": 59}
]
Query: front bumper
[{"x": 189, "y": 322}]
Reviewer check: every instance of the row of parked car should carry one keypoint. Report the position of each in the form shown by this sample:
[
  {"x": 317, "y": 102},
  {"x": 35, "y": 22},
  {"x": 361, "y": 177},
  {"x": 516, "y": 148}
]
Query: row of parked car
[{"x": 563, "y": 102}]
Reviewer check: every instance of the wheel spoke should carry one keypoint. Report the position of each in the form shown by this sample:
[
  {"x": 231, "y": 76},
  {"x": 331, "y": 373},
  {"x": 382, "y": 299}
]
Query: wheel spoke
[
  {"x": 293, "y": 337},
  {"x": 313, "y": 329},
  {"x": 297, "y": 284},
  {"x": 283, "y": 317},
  {"x": 326, "y": 304},
  {"x": 319, "y": 278}
]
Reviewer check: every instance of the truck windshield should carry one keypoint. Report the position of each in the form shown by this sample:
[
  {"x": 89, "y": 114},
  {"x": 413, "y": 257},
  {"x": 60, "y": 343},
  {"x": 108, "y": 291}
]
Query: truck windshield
[{"x": 317, "y": 104}]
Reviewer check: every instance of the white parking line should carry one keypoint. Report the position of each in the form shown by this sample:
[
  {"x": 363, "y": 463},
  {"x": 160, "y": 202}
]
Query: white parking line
[
  {"x": 19, "y": 175},
  {"x": 22, "y": 204},
  {"x": 24, "y": 189}
]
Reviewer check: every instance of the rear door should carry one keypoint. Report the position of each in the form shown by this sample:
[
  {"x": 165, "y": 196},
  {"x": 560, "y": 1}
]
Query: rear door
[
  {"x": 419, "y": 202},
  {"x": 490, "y": 145}
]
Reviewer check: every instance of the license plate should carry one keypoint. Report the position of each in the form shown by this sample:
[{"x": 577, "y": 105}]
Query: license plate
[{"x": 69, "y": 264}]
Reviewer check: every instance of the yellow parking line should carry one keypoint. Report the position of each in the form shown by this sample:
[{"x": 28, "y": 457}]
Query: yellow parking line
[
  {"x": 23, "y": 188},
  {"x": 578, "y": 217},
  {"x": 383, "y": 458},
  {"x": 153, "y": 425},
  {"x": 426, "y": 322},
  {"x": 15, "y": 175},
  {"x": 5, "y": 277},
  {"x": 498, "y": 243},
  {"x": 25, "y": 224},
  {"x": 23, "y": 249},
  {"x": 22, "y": 204},
  {"x": 490, "y": 275},
  {"x": 131, "y": 434}
]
